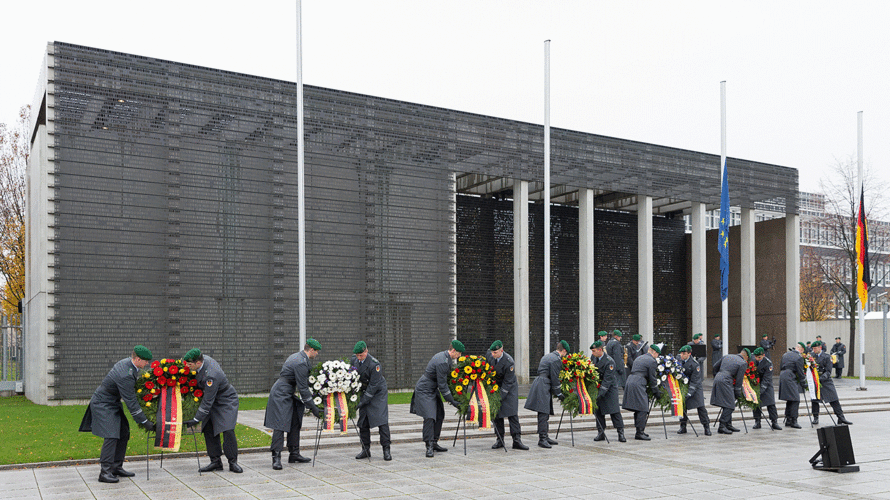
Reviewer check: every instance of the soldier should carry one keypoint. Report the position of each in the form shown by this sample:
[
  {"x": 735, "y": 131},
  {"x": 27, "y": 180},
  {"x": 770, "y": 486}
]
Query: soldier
[
  {"x": 374, "y": 405},
  {"x": 545, "y": 386},
  {"x": 838, "y": 349},
  {"x": 643, "y": 374},
  {"x": 607, "y": 398},
  {"x": 218, "y": 412},
  {"x": 697, "y": 340},
  {"x": 828, "y": 392},
  {"x": 695, "y": 396},
  {"x": 729, "y": 373},
  {"x": 716, "y": 350},
  {"x": 603, "y": 336},
  {"x": 616, "y": 351},
  {"x": 767, "y": 394},
  {"x": 105, "y": 415},
  {"x": 791, "y": 380},
  {"x": 426, "y": 401},
  {"x": 284, "y": 411},
  {"x": 765, "y": 344},
  {"x": 505, "y": 378},
  {"x": 809, "y": 347},
  {"x": 635, "y": 349}
]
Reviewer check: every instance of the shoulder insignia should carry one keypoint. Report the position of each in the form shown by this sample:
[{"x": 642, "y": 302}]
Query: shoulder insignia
[
  {"x": 511, "y": 368},
  {"x": 770, "y": 367},
  {"x": 611, "y": 367},
  {"x": 378, "y": 368},
  {"x": 698, "y": 368},
  {"x": 209, "y": 382}
]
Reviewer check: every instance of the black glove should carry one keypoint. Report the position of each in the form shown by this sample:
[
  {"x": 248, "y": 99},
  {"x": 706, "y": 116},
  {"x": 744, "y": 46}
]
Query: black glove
[
  {"x": 193, "y": 422},
  {"x": 561, "y": 396},
  {"x": 689, "y": 394},
  {"x": 315, "y": 410},
  {"x": 148, "y": 425},
  {"x": 455, "y": 404},
  {"x": 738, "y": 394},
  {"x": 363, "y": 402}
]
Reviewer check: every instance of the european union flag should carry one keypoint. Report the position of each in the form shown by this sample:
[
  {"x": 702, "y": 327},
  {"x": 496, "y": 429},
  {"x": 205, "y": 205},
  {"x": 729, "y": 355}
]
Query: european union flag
[{"x": 723, "y": 237}]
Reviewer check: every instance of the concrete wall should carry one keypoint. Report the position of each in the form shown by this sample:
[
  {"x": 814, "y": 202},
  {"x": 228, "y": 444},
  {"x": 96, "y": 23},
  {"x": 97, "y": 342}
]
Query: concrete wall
[{"x": 875, "y": 347}]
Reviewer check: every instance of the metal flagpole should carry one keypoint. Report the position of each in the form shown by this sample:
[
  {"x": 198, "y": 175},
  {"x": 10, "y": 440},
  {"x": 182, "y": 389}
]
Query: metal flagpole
[
  {"x": 862, "y": 307},
  {"x": 546, "y": 196},
  {"x": 301, "y": 188},
  {"x": 725, "y": 302}
]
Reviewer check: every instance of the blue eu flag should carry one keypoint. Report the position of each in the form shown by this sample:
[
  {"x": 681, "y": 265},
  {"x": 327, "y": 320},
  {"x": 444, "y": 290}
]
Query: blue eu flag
[{"x": 723, "y": 237}]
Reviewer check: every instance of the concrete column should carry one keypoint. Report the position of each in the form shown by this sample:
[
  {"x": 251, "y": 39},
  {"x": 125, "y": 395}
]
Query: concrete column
[
  {"x": 699, "y": 275},
  {"x": 748, "y": 291},
  {"x": 520, "y": 280},
  {"x": 587, "y": 323},
  {"x": 792, "y": 279},
  {"x": 645, "y": 284}
]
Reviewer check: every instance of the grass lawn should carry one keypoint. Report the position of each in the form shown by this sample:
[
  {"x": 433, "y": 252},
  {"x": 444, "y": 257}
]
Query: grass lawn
[{"x": 883, "y": 379}]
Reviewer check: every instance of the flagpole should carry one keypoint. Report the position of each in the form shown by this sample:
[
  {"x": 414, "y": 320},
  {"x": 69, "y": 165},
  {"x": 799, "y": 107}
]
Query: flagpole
[
  {"x": 725, "y": 302},
  {"x": 862, "y": 307},
  {"x": 546, "y": 196},
  {"x": 301, "y": 191}
]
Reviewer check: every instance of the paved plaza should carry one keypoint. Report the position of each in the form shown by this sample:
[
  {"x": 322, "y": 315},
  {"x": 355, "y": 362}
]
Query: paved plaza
[{"x": 759, "y": 464}]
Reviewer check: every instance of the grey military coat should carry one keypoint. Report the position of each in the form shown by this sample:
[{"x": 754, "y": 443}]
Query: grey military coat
[
  {"x": 729, "y": 374},
  {"x": 282, "y": 400},
  {"x": 791, "y": 376},
  {"x": 546, "y": 385},
  {"x": 840, "y": 350},
  {"x": 104, "y": 414},
  {"x": 433, "y": 382},
  {"x": 616, "y": 351},
  {"x": 607, "y": 398},
  {"x": 699, "y": 360},
  {"x": 765, "y": 372},
  {"x": 374, "y": 404},
  {"x": 220, "y": 402},
  {"x": 505, "y": 377},
  {"x": 716, "y": 351},
  {"x": 634, "y": 352},
  {"x": 644, "y": 373},
  {"x": 695, "y": 395},
  {"x": 826, "y": 383}
]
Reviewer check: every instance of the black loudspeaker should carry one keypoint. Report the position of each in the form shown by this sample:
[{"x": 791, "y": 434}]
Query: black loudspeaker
[{"x": 836, "y": 450}]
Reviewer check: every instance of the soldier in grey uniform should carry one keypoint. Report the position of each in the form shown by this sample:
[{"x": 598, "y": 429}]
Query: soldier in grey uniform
[
  {"x": 643, "y": 374},
  {"x": 828, "y": 392},
  {"x": 615, "y": 350},
  {"x": 766, "y": 344},
  {"x": 505, "y": 377},
  {"x": 839, "y": 349},
  {"x": 716, "y": 350},
  {"x": 607, "y": 397},
  {"x": 426, "y": 401},
  {"x": 635, "y": 349},
  {"x": 729, "y": 373},
  {"x": 105, "y": 415},
  {"x": 767, "y": 394},
  {"x": 698, "y": 340},
  {"x": 284, "y": 411},
  {"x": 695, "y": 395},
  {"x": 218, "y": 412},
  {"x": 791, "y": 380},
  {"x": 545, "y": 386},
  {"x": 373, "y": 405}
]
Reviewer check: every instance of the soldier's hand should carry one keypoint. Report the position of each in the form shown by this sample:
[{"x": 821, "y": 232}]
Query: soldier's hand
[
  {"x": 315, "y": 411},
  {"x": 455, "y": 404},
  {"x": 738, "y": 394},
  {"x": 363, "y": 402},
  {"x": 193, "y": 422},
  {"x": 561, "y": 396},
  {"x": 148, "y": 425}
]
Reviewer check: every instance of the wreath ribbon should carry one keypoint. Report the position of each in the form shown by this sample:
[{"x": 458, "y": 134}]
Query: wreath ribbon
[
  {"x": 336, "y": 402},
  {"x": 585, "y": 403},
  {"x": 748, "y": 391},
  {"x": 479, "y": 409},
  {"x": 169, "y": 430},
  {"x": 813, "y": 383},
  {"x": 673, "y": 387}
]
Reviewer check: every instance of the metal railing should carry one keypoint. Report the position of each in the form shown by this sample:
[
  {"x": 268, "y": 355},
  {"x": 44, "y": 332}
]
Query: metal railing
[{"x": 12, "y": 369}]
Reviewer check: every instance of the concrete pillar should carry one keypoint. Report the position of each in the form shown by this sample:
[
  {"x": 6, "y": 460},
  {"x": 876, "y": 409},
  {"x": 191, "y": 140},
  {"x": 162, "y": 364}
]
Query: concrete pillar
[
  {"x": 645, "y": 284},
  {"x": 792, "y": 279},
  {"x": 587, "y": 323},
  {"x": 748, "y": 289},
  {"x": 520, "y": 280},
  {"x": 699, "y": 275}
]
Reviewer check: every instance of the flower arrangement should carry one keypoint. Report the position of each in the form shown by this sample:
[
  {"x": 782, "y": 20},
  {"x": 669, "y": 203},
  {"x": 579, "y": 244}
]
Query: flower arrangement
[
  {"x": 332, "y": 377},
  {"x": 168, "y": 372},
  {"x": 579, "y": 382},
  {"x": 751, "y": 388},
  {"x": 667, "y": 367},
  {"x": 469, "y": 375}
]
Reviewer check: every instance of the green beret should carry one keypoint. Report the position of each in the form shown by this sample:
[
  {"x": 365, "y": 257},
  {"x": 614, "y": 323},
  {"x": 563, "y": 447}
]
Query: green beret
[
  {"x": 696, "y": 336},
  {"x": 497, "y": 344},
  {"x": 837, "y": 338},
  {"x": 565, "y": 345},
  {"x": 616, "y": 333},
  {"x": 764, "y": 335},
  {"x": 747, "y": 352},
  {"x": 685, "y": 348},
  {"x": 601, "y": 333},
  {"x": 802, "y": 345},
  {"x": 655, "y": 348},
  {"x": 360, "y": 347},
  {"x": 192, "y": 355},
  {"x": 637, "y": 336},
  {"x": 458, "y": 346},
  {"x": 313, "y": 344},
  {"x": 759, "y": 351},
  {"x": 597, "y": 345},
  {"x": 717, "y": 335},
  {"x": 817, "y": 343},
  {"x": 142, "y": 352}
]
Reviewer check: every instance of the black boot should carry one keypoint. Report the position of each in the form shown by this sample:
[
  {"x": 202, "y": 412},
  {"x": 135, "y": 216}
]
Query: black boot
[
  {"x": 497, "y": 445},
  {"x": 642, "y": 436},
  {"x": 276, "y": 460},
  {"x": 551, "y": 441},
  {"x": 517, "y": 443},
  {"x": 621, "y": 438},
  {"x": 120, "y": 472},
  {"x": 436, "y": 447},
  {"x": 842, "y": 420},
  {"x": 294, "y": 457},
  {"x": 215, "y": 464},
  {"x": 722, "y": 429},
  {"x": 386, "y": 455},
  {"x": 730, "y": 427},
  {"x": 106, "y": 476},
  {"x": 792, "y": 422},
  {"x": 816, "y": 420},
  {"x": 430, "y": 451},
  {"x": 707, "y": 430},
  {"x": 600, "y": 436},
  {"x": 756, "y": 424},
  {"x": 542, "y": 441},
  {"x": 234, "y": 467},
  {"x": 682, "y": 429},
  {"x": 365, "y": 453},
  {"x": 775, "y": 425}
]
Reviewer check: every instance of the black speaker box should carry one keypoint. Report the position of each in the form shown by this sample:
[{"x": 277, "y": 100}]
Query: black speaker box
[{"x": 835, "y": 447}]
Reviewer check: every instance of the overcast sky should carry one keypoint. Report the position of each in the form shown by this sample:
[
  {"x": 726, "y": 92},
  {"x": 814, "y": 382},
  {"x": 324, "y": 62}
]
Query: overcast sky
[{"x": 797, "y": 72}]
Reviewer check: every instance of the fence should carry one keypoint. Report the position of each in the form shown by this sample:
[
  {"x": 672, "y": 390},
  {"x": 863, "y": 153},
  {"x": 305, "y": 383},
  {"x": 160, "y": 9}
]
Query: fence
[{"x": 13, "y": 356}]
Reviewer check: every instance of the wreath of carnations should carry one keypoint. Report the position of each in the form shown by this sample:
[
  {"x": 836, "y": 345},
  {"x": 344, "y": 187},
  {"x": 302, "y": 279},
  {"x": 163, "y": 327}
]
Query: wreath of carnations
[
  {"x": 168, "y": 372},
  {"x": 576, "y": 366},
  {"x": 754, "y": 381},
  {"x": 668, "y": 365},
  {"x": 463, "y": 378},
  {"x": 331, "y": 377}
]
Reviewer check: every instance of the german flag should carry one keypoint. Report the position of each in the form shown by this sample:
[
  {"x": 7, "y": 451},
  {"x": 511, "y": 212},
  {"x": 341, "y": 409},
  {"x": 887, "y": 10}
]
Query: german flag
[
  {"x": 169, "y": 430},
  {"x": 863, "y": 278}
]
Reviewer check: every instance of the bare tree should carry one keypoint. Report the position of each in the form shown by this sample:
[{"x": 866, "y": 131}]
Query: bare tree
[
  {"x": 815, "y": 293},
  {"x": 14, "y": 153},
  {"x": 838, "y": 261}
]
